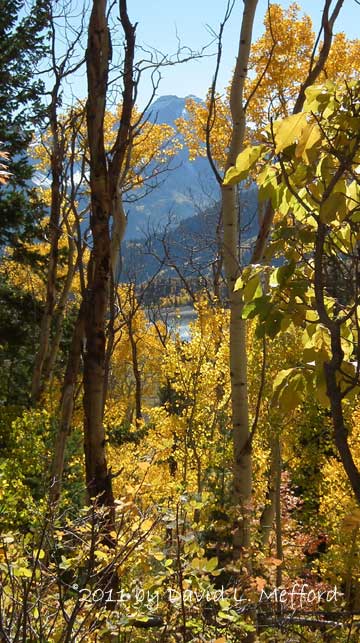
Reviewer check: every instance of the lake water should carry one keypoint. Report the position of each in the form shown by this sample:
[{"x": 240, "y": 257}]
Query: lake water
[{"x": 179, "y": 320}]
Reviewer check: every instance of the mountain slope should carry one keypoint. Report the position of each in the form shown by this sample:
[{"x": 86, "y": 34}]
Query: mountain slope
[
  {"x": 187, "y": 187},
  {"x": 191, "y": 244}
]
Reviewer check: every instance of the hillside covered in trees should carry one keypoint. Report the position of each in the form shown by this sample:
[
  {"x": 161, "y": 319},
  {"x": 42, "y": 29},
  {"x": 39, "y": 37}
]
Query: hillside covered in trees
[{"x": 156, "y": 485}]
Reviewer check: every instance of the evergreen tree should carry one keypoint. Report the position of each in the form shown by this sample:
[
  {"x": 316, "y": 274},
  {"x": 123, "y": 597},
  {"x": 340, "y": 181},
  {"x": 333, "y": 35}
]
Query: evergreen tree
[{"x": 22, "y": 44}]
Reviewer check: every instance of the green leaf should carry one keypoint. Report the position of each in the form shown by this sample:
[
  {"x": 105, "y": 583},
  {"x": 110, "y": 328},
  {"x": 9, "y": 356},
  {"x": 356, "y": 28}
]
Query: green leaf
[
  {"x": 244, "y": 162},
  {"x": 274, "y": 281},
  {"x": 308, "y": 144},
  {"x": 317, "y": 97},
  {"x": 335, "y": 206},
  {"x": 267, "y": 182},
  {"x": 239, "y": 284},
  {"x": 249, "y": 310},
  {"x": 252, "y": 288},
  {"x": 273, "y": 324},
  {"x": 281, "y": 275},
  {"x": 260, "y": 306},
  {"x": 22, "y": 572},
  {"x": 288, "y": 130},
  {"x": 211, "y": 564}
]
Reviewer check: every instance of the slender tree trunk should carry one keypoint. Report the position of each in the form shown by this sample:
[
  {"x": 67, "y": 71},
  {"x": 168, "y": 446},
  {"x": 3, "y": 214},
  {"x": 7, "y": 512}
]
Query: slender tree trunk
[
  {"x": 59, "y": 317},
  {"x": 340, "y": 429},
  {"x": 278, "y": 519},
  {"x": 66, "y": 408},
  {"x": 137, "y": 375},
  {"x": 54, "y": 236},
  {"x": 332, "y": 367},
  {"x": 242, "y": 486},
  {"x": 105, "y": 188},
  {"x": 117, "y": 235},
  {"x": 238, "y": 357},
  {"x": 268, "y": 514},
  {"x": 96, "y": 302}
]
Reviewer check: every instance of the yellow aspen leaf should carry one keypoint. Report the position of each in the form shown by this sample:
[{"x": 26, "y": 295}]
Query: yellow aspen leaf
[
  {"x": 310, "y": 136},
  {"x": 147, "y": 524},
  {"x": 143, "y": 465},
  {"x": 244, "y": 162},
  {"x": 288, "y": 130}
]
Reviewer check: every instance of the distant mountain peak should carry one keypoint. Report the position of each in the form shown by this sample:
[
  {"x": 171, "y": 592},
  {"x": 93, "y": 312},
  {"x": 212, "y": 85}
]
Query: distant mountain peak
[
  {"x": 194, "y": 98},
  {"x": 166, "y": 109},
  {"x": 166, "y": 98},
  {"x": 180, "y": 192}
]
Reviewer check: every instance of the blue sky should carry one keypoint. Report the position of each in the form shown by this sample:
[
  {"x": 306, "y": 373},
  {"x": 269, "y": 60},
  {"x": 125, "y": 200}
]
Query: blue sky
[{"x": 160, "y": 21}]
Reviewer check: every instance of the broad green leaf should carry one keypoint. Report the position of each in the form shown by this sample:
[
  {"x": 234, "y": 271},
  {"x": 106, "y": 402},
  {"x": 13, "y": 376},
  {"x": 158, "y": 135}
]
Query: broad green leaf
[
  {"x": 309, "y": 139},
  {"x": 334, "y": 208},
  {"x": 249, "y": 310},
  {"x": 320, "y": 386},
  {"x": 288, "y": 130},
  {"x": 252, "y": 288},
  {"x": 316, "y": 96},
  {"x": 273, "y": 323},
  {"x": 280, "y": 275},
  {"x": 281, "y": 377},
  {"x": 244, "y": 162},
  {"x": 326, "y": 167},
  {"x": 274, "y": 281},
  {"x": 353, "y": 199},
  {"x": 291, "y": 391},
  {"x": 22, "y": 572},
  {"x": 260, "y": 306},
  {"x": 211, "y": 564},
  {"x": 267, "y": 181},
  {"x": 345, "y": 240}
]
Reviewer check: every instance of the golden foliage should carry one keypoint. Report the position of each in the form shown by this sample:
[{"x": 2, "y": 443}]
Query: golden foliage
[{"x": 279, "y": 64}]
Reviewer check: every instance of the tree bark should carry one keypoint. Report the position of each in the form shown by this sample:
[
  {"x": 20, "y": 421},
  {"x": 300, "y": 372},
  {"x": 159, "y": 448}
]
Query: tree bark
[
  {"x": 105, "y": 189},
  {"x": 54, "y": 236},
  {"x": 340, "y": 429},
  {"x": 238, "y": 357},
  {"x": 66, "y": 409},
  {"x": 268, "y": 514},
  {"x": 278, "y": 516},
  {"x": 242, "y": 474},
  {"x": 98, "y": 478},
  {"x": 333, "y": 366},
  {"x": 137, "y": 374},
  {"x": 59, "y": 316}
]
